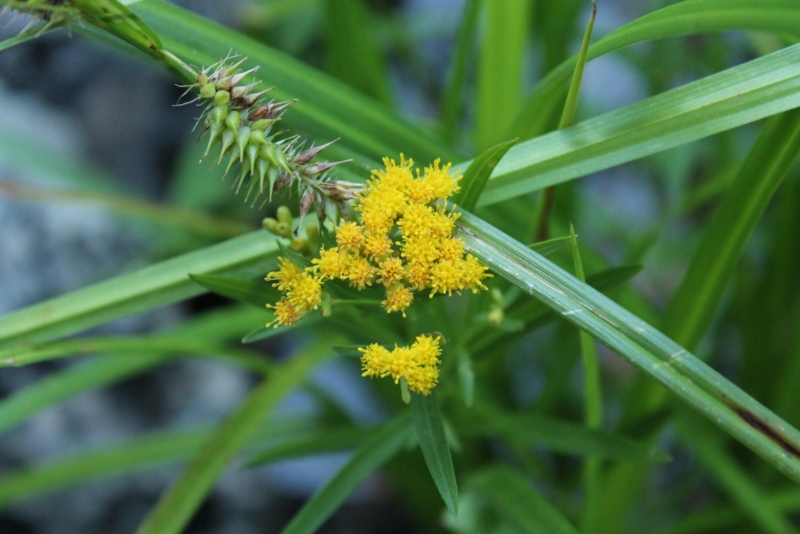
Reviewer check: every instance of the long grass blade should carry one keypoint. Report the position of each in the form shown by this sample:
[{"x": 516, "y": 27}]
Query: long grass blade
[
  {"x": 180, "y": 502},
  {"x": 708, "y": 392}
]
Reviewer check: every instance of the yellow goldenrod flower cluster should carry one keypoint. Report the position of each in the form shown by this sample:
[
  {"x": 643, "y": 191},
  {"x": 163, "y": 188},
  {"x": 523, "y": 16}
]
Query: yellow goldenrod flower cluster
[
  {"x": 417, "y": 364},
  {"x": 404, "y": 241},
  {"x": 397, "y": 204}
]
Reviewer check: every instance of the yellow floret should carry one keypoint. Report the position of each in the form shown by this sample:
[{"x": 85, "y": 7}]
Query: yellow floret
[
  {"x": 306, "y": 293},
  {"x": 417, "y": 364},
  {"x": 285, "y": 314},
  {"x": 451, "y": 248},
  {"x": 349, "y": 236},
  {"x": 398, "y": 299},
  {"x": 390, "y": 271},
  {"x": 377, "y": 245},
  {"x": 360, "y": 272},
  {"x": 441, "y": 183},
  {"x": 286, "y": 276},
  {"x": 332, "y": 263},
  {"x": 374, "y": 360}
]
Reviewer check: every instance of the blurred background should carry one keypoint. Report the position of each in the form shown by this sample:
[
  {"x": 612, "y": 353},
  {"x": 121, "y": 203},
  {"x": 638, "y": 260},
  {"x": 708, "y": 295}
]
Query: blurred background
[{"x": 95, "y": 158}]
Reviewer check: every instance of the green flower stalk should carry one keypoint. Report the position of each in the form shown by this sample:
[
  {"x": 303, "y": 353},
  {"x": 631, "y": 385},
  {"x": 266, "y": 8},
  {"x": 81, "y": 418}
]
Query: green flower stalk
[{"x": 239, "y": 120}]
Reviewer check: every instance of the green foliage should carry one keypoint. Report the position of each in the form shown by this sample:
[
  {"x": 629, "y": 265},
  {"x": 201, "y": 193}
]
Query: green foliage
[{"x": 509, "y": 440}]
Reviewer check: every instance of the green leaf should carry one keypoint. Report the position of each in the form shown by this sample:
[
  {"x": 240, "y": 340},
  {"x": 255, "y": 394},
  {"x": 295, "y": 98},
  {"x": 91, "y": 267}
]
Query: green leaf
[
  {"x": 712, "y": 456},
  {"x": 327, "y": 440},
  {"x": 435, "y": 448},
  {"x": 477, "y": 175},
  {"x": 717, "y": 255},
  {"x": 683, "y": 18},
  {"x": 571, "y": 105},
  {"x": 499, "y": 84},
  {"x": 180, "y": 502},
  {"x": 148, "y": 288},
  {"x": 54, "y": 389},
  {"x": 143, "y": 453},
  {"x": 720, "y": 102},
  {"x": 256, "y": 292},
  {"x": 546, "y": 248},
  {"x": 592, "y": 387},
  {"x": 452, "y": 96},
  {"x": 682, "y": 373},
  {"x": 558, "y": 435},
  {"x": 516, "y": 500},
  {"x": 174, "y": 344},
  {"x": 353, "y": 55},
  {"x": 383, "y": 444}
]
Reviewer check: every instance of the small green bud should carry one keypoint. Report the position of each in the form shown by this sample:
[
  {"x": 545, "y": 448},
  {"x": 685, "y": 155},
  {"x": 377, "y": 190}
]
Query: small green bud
[
  {"x": 219, "y": 113},
  {"x": 268, "y": 153},
  {"x": 325, "y": 305},
  {"x": 281, "y": 160},
  {"x": 284, "y": 230},
  {"x": 232, "y": 120},
  {"x": 207, "y": 90},
  {"x": 257, "y": 137},
  {"x": 222, "y": 98},
  {"x": 262, "y": 124},
  {"x": 285, "y": 215},
  {"x": 495, "y": 316},
  {"x": 270, "y": 225}
]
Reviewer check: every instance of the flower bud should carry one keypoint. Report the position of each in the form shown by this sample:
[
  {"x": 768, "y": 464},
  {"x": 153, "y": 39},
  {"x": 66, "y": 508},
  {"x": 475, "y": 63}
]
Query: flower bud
[
  {"x": 270, "y": 225},
  {"x": 284, "y": 215},
  {"x": 207, "y": 90},
  {"x": 222, "y": 98}
]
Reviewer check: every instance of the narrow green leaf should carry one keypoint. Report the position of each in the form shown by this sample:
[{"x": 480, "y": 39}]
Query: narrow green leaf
[
  {"x": 352, "y": 52},
  {"x": 592, "y": 388},
  {"x": 148, "y": 288},
  {"x": 327, "y": 440},
  {"x": 384, "y": 443},
  {"x": 477, "y": 175},
  {"x": 435, "y": 448},
  {"x": 558, "y": 435},
  {"x": 453, "y": 94},
  {"x": 143, "y": 453},
  {"x": 500, "y": 62},
  {"x": 515, "y": 499},
  {"x": 181, "y": 501},
  {"x": 92, "y": 374},
  {"x": 256, "y": 292},
  {"x": 124, "y": 346},
  {"x": 716, "y": 257},
  {"x": 546, "y": 248},
  {"x": 682, "y": 373},
  {"x": 683, "y": 18},
  {"x": 571, "y": 105},
  {"x": 712, "y": 455},
  {"x": 731, "y": 98}
]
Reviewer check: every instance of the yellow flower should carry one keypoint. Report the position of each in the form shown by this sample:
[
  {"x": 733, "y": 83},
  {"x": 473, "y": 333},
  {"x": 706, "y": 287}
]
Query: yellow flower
[
  {"x": 332, "y": 263},
  {"x": 395, "y": 208},
  {"x": 391, "y": 270},
  {"x": 360, "y": 272},
  {"x": 285, "y": 314},
  {"x": 398, "y": 298},
  {"x": 349, "y": 236},
  {"x": 417, "y": 364},
  {"x": 286, "y": 276},
  {"x": 306, "y": 293},
  {"x": 377, "y": 245}
]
